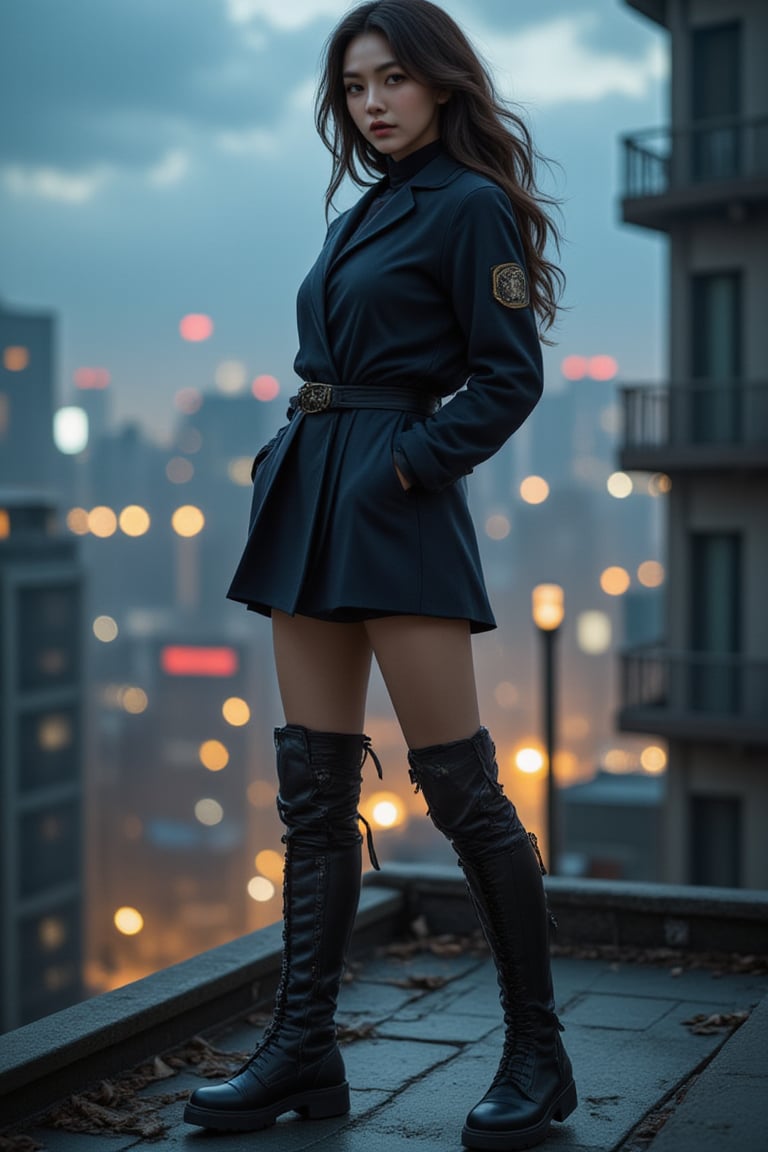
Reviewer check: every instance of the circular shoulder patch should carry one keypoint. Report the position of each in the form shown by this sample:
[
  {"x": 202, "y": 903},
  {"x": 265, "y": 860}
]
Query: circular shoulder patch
[{"x": 510, "y": 286}]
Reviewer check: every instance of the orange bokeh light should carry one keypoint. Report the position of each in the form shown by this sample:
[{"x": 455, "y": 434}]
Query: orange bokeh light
[
  {"x": 196, "y": 326},
  {"x": 265, "y": 388},
  {"x": 614, "y": 581},
  {"x": 15, "y": 358}
]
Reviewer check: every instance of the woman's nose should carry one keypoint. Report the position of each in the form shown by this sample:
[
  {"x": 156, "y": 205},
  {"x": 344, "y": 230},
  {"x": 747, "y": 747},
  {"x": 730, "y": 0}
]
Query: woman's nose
[{"x": 373, "y": 101}]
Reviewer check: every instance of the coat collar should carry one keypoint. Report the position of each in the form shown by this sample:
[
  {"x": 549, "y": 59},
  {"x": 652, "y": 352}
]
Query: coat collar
[{"x": 439, "y": 172}]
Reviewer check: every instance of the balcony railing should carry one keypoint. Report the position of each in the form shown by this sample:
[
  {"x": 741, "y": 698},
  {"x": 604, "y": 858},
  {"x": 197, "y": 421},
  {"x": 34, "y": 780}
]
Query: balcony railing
[
  {"x": 694, "y": 695},
  {"x": 695, "y": 423},
  {"x": 659, "y": 161}
]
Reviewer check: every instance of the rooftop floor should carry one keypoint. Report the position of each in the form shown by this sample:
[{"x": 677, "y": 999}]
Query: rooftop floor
[{"x": 669, "y": 1056}]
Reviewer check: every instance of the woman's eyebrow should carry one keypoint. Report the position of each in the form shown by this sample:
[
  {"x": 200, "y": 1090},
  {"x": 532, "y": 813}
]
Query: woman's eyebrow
[{"x": 378, "y": 68}]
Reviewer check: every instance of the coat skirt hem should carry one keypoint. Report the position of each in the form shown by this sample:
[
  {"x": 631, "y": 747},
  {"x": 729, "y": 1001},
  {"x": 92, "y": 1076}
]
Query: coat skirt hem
[{"x": 333, "y": 534}]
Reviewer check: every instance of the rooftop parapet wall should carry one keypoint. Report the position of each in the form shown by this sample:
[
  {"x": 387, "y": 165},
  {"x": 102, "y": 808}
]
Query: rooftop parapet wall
[{"x": 61, "y": 1054}]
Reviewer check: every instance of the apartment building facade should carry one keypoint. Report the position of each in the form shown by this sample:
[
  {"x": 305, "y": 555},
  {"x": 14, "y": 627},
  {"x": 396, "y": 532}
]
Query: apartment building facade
[{"x": 703, "y": 181}]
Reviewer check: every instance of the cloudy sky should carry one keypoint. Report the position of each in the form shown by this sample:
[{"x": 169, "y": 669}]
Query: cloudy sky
[{"x": 158, "y": 157}]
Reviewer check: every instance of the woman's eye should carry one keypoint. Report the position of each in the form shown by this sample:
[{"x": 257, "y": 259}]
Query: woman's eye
[
  {"x": 352, "y": 88},
  {"x": 396, "y": 77}
]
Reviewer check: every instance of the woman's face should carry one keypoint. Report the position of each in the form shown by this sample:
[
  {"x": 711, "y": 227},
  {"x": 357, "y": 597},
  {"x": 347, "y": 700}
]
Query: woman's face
[{"x": 391, "y": 110}]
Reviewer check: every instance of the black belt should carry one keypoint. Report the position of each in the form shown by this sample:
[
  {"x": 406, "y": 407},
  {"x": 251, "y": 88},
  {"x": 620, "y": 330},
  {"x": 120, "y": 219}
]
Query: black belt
[{"x": 316, "y": 397}]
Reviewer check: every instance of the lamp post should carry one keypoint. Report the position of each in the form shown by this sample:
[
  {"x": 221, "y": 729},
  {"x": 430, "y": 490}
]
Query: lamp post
[{"x": 548, "y": 612}]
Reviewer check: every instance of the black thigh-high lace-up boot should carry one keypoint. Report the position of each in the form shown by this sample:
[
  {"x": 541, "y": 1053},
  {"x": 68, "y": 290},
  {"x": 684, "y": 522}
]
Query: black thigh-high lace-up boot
[
  {"x": 534, "y": 1082},
  {"x": 298, "y": 1065}
]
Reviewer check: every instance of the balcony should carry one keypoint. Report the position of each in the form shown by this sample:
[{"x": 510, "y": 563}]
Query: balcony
[
  {"x": 695, "y": 425},
  {"x": 694, "y": 696},
  {"x": 715, "y": 167}
]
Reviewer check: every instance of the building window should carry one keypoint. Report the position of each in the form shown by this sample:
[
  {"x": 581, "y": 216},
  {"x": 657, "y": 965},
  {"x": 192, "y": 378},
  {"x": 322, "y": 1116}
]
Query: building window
[
  {"x": 49, "y": 848},
  {"x": 48, "y": 748},
  {"x": 716, "y": 342},
  {"x": 715, "y": 622},
  {"x": 715, "y": 840},
  {"x": 49, "y": 619},
  {"x": 716, "y": 102}
]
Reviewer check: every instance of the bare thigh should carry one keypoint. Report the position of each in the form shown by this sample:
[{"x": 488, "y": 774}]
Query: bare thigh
[
  {"x": 429, "y": 672},
  {"x": 322, "y": 670}
]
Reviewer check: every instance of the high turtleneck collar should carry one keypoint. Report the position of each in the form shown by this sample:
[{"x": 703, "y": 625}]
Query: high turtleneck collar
[{"x": 401, "y": 171}]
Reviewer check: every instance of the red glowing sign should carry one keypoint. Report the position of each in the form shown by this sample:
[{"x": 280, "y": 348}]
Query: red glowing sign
[
  {"x": 91, "y": 378},
  {"x": 265, "y": 388},
  {"x": 188, "y": 660},
  {"x": 196, "y": 327}
]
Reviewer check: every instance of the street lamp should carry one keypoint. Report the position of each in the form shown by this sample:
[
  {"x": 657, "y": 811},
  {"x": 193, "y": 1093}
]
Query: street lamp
[{"x": 548, "y": 612}]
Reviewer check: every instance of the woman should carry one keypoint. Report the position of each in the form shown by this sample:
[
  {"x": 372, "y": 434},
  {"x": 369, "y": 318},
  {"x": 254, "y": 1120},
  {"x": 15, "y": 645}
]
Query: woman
[{"x": 361, "y": 544}]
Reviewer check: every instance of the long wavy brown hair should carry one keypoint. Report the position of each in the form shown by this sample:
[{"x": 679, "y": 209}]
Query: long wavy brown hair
[{"x": 476, "y": 128}]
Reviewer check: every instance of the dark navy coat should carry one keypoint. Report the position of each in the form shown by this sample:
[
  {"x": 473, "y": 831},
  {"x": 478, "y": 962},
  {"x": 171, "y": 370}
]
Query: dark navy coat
[{"x": 432, "y": 294}]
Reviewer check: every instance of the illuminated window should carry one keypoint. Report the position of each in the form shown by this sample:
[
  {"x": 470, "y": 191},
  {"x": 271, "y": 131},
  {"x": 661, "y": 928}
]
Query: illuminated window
[{"x": 15, "y": 358}]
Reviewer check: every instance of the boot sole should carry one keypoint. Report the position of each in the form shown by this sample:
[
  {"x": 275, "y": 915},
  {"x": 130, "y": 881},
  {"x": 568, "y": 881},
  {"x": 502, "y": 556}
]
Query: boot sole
[
  {"x": 514, "y": 1140},
  {"x": 319, "y": 1104}
]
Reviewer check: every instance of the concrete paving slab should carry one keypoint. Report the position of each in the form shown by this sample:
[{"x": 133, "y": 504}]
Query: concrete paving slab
[
  {"x": 436, "y": 1025},
  {"x": 375, "y": 1000},
  {"x": 699, "y": 984},
  {"x": 726, "y": 1106},
  {"x": 391, "y": 1064},
  {"x": 628, "y": 1013}
]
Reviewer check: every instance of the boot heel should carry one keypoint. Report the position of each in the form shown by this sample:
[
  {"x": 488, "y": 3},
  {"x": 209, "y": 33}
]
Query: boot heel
[
  {"x": 328, "y": 1102},
  {"x": 566, "y": 1104}
]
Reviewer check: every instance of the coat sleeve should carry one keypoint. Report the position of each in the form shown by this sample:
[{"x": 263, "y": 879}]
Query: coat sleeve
[{"x": 484, "y": 275}]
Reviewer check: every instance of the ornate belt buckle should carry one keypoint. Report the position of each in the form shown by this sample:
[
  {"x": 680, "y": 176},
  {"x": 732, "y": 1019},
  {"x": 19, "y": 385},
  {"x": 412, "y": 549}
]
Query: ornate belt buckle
[{"x": 315, "y": 397}]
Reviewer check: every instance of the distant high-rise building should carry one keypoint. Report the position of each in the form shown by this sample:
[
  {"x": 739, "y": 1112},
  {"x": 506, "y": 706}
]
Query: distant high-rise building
[
  {"x": 28, "y": 456},
  {"x": 41, "y": 759},
  {"x": 703, "y": 180}
]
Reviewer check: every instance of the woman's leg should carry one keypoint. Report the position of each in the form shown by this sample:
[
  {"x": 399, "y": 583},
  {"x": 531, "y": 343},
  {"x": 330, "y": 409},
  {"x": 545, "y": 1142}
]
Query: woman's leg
[
  {"x": 322, "y": 670},
  {"x": 323, "y": 673},
  {"x": 427, "y": 667}
]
